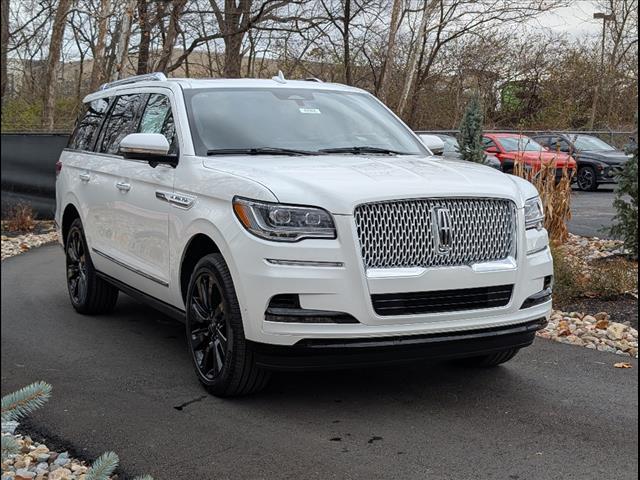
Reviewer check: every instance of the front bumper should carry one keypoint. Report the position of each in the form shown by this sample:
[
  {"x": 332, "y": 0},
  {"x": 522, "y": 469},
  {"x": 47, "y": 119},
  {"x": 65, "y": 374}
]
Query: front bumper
[
  {"x": 608, "y": 174},
  {"x": 341, "y": 284},
  {"x": 335, "y": 354}
]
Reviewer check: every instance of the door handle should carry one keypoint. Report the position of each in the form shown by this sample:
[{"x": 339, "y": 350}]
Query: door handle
[
  {"x": 123, "y": 186},
  {"x": 85, "y": 177}
]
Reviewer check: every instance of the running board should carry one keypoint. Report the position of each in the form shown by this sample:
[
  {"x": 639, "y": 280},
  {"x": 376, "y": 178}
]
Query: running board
[{"x": 159, "y": 305}]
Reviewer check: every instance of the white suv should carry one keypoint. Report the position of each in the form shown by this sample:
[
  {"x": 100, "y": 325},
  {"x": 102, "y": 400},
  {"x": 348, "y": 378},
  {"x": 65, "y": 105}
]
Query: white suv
[{"x": 295, "y": 225}]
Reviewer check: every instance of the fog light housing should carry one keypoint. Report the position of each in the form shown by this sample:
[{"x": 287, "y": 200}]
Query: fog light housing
[{"x": 542, "y": 296}]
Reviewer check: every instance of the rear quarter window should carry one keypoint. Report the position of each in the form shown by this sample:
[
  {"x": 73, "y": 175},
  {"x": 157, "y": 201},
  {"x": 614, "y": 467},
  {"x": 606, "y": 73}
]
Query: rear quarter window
[{"x": 88, "y": 125}]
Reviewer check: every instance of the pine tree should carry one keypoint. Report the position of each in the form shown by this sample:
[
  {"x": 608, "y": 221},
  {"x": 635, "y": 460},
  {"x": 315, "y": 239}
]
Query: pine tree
[
  {"x": 626, "y": 202},
  {"x": 471, "y": 127}
]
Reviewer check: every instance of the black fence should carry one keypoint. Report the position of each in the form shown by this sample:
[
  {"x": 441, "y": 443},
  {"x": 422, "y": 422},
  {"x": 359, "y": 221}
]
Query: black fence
[{"x": 28, "y": 170}]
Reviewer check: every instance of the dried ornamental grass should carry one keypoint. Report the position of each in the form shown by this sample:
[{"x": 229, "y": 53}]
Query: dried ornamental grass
[
  {"x": 20, "y": 218},
  {"x": 555, "y": 195}
]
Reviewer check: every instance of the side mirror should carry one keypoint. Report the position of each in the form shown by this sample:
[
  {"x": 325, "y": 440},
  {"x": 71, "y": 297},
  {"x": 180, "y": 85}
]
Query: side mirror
[
  {"x": 433, "y": 143},
  {"x": 492, "y": 150},
  {"x": 150, "y": 147}
]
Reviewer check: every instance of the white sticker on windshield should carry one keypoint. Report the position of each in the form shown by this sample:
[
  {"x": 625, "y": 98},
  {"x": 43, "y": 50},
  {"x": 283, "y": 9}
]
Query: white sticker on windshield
[{"x": 313, "y": 111}]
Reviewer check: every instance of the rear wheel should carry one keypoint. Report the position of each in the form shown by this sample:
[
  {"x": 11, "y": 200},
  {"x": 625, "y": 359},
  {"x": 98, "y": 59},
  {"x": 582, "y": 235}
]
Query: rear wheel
[
  {"x": 587, "y": 179},
  {"x": 89, "y": 294},
  {"x": 223, "y": 361},
  {"x": 490, "y": 360}
]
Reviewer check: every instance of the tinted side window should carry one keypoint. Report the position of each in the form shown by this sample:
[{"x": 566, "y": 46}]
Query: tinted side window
[
  {"x": 487, "y": 142},
  {"x": 544, "y": 141},
  {"x": 122, "y": 121},
  {"x": 158, "y": 118},
  {"x": 560, "y": 144},
  {"x": 88, "y": 125}
]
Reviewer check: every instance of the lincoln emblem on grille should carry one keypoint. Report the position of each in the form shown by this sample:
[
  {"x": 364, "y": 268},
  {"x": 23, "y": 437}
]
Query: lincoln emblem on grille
[{"x": 441, "y": 218}]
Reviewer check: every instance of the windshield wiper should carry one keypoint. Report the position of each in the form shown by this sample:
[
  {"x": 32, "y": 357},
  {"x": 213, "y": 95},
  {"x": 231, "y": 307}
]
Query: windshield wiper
[
  {"x": 259, "y": 151},
  {"x": 363, "y": 150}
]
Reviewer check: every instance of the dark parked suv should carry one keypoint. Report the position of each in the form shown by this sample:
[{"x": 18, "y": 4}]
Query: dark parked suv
[{"x": 598, "y": 162}]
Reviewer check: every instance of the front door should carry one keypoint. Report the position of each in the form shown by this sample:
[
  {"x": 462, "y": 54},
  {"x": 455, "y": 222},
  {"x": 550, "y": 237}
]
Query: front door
[{"x": 139, "y": 235}]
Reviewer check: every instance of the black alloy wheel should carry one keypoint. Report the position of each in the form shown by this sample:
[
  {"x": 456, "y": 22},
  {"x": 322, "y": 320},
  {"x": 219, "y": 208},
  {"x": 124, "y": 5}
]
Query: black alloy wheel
[
  {"x": 76, "y": 268},
  {"x": 89, "y": 293},
  {"x": 223, "y": 359},
  {"x": 209, "y": 329},
  {"x": 587, "y": 179}
]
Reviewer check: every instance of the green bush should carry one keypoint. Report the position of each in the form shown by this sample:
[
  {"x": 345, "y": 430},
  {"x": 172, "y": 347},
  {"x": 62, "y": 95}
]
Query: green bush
[
  {"x": 471, "y": 128},
  {"x": 626, "y": 203}
]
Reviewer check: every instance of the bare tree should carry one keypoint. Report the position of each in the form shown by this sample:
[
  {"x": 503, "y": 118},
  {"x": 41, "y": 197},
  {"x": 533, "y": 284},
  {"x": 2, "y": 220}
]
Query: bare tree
[
  {"x": 396, "y": 11},
  {"x": 5, "y": 44},
  {"x": 53, "y": 59},
  {"x": 123, "y": 37},
  {"x": 97, "y": 72}
]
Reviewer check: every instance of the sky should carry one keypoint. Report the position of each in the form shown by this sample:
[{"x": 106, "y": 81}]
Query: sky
[{"x": 575, "y": 21}]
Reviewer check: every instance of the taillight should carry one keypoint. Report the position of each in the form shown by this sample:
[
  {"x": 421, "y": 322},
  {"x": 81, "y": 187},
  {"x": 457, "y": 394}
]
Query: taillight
[{"x": 58, "y": 167}]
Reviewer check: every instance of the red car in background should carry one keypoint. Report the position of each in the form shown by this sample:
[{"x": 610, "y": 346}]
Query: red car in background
[{"x": 512, "y": 147}]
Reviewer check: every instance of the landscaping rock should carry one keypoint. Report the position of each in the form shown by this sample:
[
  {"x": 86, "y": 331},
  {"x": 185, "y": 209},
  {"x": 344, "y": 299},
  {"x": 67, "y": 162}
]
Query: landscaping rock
[
  {"x": 594, "y": 332},
  {"x": 15, "y": 244},
  {"x": 59, "y": 466}
]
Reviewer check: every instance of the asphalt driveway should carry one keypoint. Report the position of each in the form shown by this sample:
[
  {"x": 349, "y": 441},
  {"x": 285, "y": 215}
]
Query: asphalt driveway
[
  {"x": 123, "y": 382},
  {"x": 592, "y": 212}
]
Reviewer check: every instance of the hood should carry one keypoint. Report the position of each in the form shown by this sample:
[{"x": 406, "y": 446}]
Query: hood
[
  {"x": 612, "y": 157},
  {"x": 341, "y": 182}
]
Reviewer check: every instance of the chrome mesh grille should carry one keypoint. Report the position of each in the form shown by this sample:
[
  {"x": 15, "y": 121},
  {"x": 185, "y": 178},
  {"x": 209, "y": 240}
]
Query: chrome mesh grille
[{"x": 400, "y": 233}]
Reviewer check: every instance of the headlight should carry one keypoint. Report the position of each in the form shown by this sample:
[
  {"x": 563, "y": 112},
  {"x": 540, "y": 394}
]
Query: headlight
[
  {"x": 534, "y": 213},
  {"x": 284, "y": 223}
]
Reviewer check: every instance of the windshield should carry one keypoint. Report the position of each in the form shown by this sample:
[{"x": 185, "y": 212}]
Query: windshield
[
  {"x": 304, "y": 120},
  {"x": 587, "y": 142},
  {"x": 520, "y": 144}
]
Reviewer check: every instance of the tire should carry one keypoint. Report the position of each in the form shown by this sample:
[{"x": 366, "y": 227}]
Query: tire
[
  {"x": 89, "y": 294},
  {"x": 491, "y": 360},
  {"x": 587, "y": 179},
  {"x": 223, "y": 360}
]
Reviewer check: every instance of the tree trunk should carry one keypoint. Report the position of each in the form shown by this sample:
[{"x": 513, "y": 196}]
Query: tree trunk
[
  {"x": 387, "y": 63},
  {"x": 233, "y": 55},
  {"x": 97, "y": 72},
  {"x": 53, "y": 59},
  {"x": 413, "y": 64},
  {"x": 346, "y": 44},
  {"x": 145, "y": 37},
  {"x": 5, "y": 45},
  {"x": 172, "y": 35},
  {"x": 123, "y": 40}
]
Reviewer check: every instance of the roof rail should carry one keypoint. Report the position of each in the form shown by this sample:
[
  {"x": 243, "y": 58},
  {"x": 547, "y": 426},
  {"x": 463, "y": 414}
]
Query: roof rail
[
  {"x": 313, "y": 79},
  {"x": 156, "y": 76}
]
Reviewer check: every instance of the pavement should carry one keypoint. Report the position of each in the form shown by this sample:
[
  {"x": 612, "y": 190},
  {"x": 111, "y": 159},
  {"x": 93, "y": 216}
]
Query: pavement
[
  {"x": 592, "y": 212},
  {"x": 124, "y": 382}
]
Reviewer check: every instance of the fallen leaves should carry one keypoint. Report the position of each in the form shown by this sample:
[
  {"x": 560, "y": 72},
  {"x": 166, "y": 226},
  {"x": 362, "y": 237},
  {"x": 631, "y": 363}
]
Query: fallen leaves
[{"x": 622, "y": 365}]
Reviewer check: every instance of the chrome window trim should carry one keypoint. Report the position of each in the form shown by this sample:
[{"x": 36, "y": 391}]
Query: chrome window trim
[{"x": 131, "y": 269}]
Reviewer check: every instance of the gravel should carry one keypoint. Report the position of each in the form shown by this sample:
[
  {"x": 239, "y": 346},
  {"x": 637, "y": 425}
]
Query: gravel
[
  {"x": 596, "y": 332},
  {"x": 36, "y": 462},
  {"x": 14, "y": 243}
]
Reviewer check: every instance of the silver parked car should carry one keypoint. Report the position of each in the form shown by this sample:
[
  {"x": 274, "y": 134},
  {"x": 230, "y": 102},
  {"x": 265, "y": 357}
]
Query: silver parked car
[{"x": 452, "y": 150}]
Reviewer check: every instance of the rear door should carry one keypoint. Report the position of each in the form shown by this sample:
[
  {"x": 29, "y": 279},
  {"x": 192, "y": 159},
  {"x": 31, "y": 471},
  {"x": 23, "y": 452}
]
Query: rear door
[
  {"x": 140, "y": 239},
  {"x": 84, "y": 170}
]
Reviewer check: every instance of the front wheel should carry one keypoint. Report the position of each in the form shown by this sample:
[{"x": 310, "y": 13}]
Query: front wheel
[
  {"x": 490, "y": 360},
  {"x": 223, "y": 361},
  {"x": 587, "y": 179}
]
